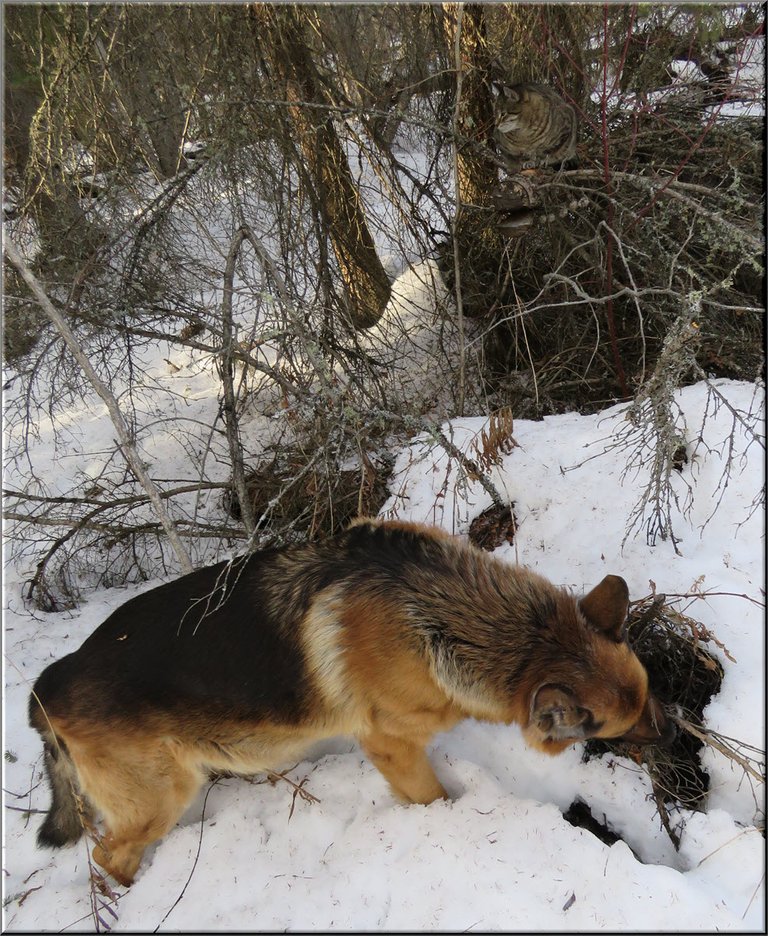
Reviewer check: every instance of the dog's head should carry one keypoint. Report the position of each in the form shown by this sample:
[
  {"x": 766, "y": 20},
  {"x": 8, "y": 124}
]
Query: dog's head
[{"x": 598, "y": 687}]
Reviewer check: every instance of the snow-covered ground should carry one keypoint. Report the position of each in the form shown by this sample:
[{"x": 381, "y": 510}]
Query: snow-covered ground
[{"x": 257, "y": 855}]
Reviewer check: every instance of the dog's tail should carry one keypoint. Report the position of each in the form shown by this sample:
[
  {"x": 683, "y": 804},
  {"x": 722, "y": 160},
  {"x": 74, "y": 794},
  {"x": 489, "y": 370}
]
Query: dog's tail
[{"x": 66, "y": 818}]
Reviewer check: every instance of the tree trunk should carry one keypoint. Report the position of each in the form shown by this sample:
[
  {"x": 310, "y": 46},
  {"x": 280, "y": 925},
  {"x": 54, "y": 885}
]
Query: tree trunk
[
  {"x": 144, "y": 91},
  {"x": 364, "y": 278},
  {"x": 62, "y": 224},
  {"x": 474, "y": 106},
  {"x": 472, "y": 267}
]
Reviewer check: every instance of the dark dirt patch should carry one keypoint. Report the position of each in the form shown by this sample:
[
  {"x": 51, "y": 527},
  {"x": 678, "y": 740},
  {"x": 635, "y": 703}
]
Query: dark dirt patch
[
  {"x": 683, "y": 675},
  {"x": 310, "y": 503},
  {"x": 580, "y": 815},
  {"x": 494, "y": 526}
]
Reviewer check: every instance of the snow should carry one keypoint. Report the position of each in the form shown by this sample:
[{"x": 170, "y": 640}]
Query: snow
[{"x": 254, "y": 855}]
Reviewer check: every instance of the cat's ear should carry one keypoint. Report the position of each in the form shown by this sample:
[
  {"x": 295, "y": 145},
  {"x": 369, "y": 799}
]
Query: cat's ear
[
  {"x": 503, "y": 92},
  {"x": 511, "y": 95}
]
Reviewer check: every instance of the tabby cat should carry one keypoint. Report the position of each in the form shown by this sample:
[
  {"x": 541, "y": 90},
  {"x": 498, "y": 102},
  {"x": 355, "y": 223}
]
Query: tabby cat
[{"x": 534, "y": 126}]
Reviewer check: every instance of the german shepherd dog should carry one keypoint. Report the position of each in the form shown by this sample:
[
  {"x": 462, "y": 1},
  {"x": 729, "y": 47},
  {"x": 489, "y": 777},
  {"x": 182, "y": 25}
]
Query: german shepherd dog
[{"x": 389, "y": 632}]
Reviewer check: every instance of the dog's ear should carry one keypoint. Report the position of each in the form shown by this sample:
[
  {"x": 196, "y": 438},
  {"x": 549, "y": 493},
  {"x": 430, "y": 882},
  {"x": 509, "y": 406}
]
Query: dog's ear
[
  {"x": 555, "y": 712},
  {"x": 606, "y": 606}
]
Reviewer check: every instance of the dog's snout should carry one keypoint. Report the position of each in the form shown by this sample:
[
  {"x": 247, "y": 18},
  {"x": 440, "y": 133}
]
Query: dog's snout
[
  {"x": 664, "y": 725},
  {"x": 653, "y": 727},
  {"x": 668, "y": 735}
]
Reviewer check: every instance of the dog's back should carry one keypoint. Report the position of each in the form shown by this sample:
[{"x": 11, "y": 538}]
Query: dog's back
[{"x": 239, "y": 640}]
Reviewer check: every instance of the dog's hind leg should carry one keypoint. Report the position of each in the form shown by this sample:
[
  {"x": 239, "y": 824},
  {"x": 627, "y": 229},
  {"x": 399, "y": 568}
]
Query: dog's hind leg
[
  {"x": 405, "y": 765},
  {"x": 141, "y": 788}
]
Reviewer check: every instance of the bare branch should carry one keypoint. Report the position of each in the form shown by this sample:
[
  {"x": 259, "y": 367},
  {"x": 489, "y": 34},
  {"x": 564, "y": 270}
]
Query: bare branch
[{"x": 126, "y": 442}]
